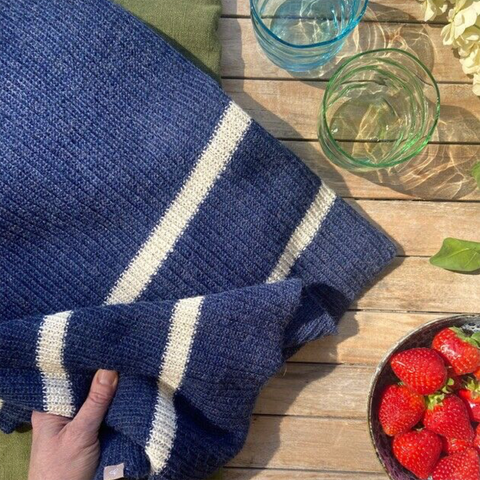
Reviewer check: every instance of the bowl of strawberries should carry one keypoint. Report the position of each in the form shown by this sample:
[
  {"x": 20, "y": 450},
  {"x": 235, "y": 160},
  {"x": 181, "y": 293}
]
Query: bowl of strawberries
[{"x": 424, "y": 403}]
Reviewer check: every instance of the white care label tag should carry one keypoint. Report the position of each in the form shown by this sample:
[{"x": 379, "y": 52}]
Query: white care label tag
[{"x": 113, "y": 472}]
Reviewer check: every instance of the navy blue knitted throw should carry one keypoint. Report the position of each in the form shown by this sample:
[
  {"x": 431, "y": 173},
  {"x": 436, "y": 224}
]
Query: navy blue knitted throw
[{"x": 149, "y": 226}]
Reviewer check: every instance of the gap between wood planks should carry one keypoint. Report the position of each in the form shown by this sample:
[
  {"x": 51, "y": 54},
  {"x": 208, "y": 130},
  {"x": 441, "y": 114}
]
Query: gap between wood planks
[
  {"x": 297, "y": 388},
  {"x": 242, "y": 473},
  {"x": 319, "y": 80},
  {"x": 431, "y": 142},
  {"x": 412, "y": 284},
  {"x": 364, "y": 337},
  {"x": 364, "y": 20},
  {"x": 440, "y": 173},
  {"x": 301, "y": 444},
  {"x": 396, "y": 10}
]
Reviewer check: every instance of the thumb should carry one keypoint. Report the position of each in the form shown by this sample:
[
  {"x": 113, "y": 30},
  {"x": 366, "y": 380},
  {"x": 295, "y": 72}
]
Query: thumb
[
  {"x": 47, "y": 424},
  {"x": 91, "y": 414}
]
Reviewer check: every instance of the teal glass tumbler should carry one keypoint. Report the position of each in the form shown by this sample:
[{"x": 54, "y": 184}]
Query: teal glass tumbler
[
  {"x": 380, "y": 109},
  {"x": 302, "y": 35}
]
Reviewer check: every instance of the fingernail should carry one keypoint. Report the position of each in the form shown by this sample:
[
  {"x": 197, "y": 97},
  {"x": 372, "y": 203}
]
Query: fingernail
[{"x": 107, "y": 377}]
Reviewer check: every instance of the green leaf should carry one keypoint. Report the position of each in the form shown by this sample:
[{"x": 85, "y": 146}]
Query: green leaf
[
  {"x": 447, "y": 388},
  {"x": 458, "y": 255},
  {"x": 459, "y": 332},
  {"x": 472, "y": 384},
  {"x": 463, "y": 336},
  {"x": 476, "y": 173},
  {"x": 435, "y": 399},
  {"x": 476, "y": 337}
]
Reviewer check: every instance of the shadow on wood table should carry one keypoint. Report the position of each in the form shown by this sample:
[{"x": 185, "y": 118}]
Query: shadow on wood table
[{"x": 443, "y": 170}]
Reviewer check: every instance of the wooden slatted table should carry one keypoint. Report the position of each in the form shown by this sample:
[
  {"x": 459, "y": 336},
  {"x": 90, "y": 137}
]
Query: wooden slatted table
[{"x": 310, "y": 421}]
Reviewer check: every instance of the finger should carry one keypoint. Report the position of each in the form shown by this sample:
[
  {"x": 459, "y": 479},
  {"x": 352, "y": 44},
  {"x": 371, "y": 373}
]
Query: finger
[{"x": 91, "y": 414}]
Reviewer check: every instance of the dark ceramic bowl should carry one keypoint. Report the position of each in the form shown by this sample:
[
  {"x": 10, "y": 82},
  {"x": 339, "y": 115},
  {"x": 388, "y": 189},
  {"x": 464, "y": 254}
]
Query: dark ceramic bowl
[{"x": 421, "y": 337}]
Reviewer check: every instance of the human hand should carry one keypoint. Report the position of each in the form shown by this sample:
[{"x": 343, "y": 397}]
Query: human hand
[{"x": 68, "y": 449}]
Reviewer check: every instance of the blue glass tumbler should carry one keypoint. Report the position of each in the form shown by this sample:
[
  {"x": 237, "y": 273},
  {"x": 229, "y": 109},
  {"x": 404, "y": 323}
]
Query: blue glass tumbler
[{"x": 302, "y": 35}]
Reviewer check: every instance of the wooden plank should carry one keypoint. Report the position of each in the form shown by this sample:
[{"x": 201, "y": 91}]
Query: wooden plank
[
  {"x": 289, "y": 109},
  {"x": 242, "y": 56},
  {"x": 412, "y": 284},
  {"x": 254, "y": 474},
  {"x": 440, "y": 172},
  {"x": 300, "y": 443},
  {"x": 364, "y": 337},
  {"x": 317, "y": 390},
  {"x": 418, "y": 228},
  {"x": 391, "y": 10}
]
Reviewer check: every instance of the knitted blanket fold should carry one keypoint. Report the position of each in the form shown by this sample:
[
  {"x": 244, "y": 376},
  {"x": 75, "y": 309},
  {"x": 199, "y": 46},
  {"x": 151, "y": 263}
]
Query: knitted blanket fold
[{"x": 150, "y": 226}]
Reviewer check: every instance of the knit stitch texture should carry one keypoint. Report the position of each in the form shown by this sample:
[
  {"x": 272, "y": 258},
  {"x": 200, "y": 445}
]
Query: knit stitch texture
[{"x": 150, "y": 226}]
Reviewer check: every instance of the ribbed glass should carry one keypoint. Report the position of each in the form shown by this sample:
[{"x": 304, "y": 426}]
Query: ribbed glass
[
  {"x": 301, "y": 35},
  {"x": 379, "y": 109}
]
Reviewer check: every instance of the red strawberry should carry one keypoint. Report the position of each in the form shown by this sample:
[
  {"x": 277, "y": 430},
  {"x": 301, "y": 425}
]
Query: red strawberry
[
  {"x": 476, "y": 373},
  {"x": 421, "y": 369},
  {"x": 471, "y": 397},
  {"x": 400, "y": 409},
  {"x": 460, "y": 466},
  {"x": 452, "y": 445},
  {"x": 476, "y": 441},
  {"x": 458, "y": 349},
  {"x": 448, "y": 416},
  {"x": 418, "y": 451}
]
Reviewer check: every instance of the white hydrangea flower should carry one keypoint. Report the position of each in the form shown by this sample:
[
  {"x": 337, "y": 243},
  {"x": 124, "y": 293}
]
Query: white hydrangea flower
[
  {"x": 463, "y": 33},
  {"x": 476, "y": 84},
  {"x": 471, "y": 63},
  {"x": 468, "y": 40},
  {"x": 464, "y": 15},
  {"x": 433, "y": 8}
]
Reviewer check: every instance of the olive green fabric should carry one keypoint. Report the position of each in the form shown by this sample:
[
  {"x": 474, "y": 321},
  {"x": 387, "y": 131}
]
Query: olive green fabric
[
  {"x": 15, "y": 455},
  {"x": 191, "y": 26}
]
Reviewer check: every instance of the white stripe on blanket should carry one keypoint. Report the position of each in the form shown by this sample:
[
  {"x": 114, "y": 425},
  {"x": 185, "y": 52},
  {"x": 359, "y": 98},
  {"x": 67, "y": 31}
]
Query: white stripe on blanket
[
  {"x": 222, "y": 145},
  {"x": 57, "y": 392},
  {"x": 304, "y": 234},
  {"x": 174, "y": 364},
  {"x": 58, "y": 396}
]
